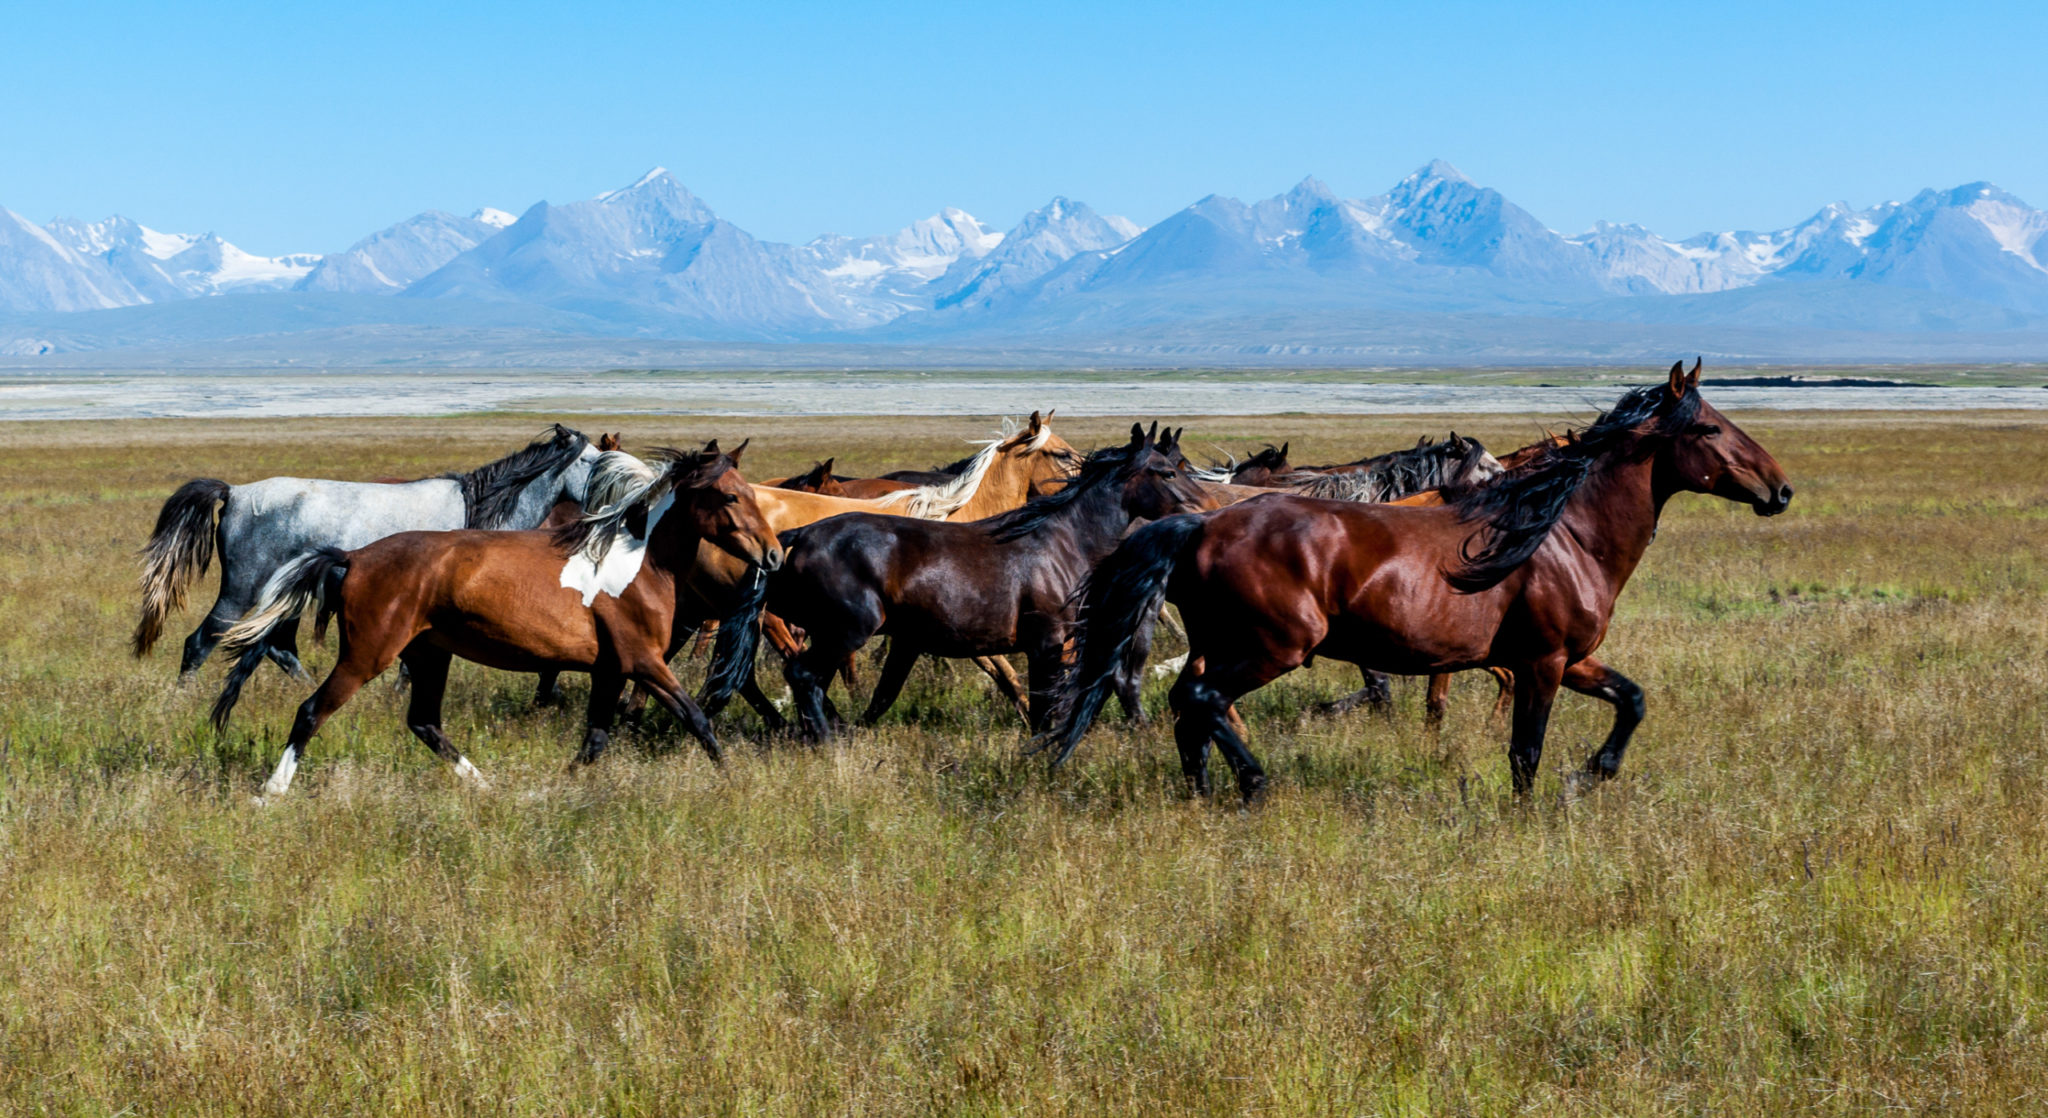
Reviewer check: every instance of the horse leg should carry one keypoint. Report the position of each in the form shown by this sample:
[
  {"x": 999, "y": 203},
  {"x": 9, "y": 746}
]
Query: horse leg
[
  {"x": 1376, "y": 694},
  {"x": 807, "y": 692},
  {"x": 668, "y": 690},
  {"x": 354, "y": 668},
  {"x": 282, "y": 646},
  {"x": 1043, "y": 668},
  {"x": 1193, "y": 726},
  {"x": 1005, "y": 678},
  {"x": 1437, "y": 702},
  {"x": 771, "y": 718},
  {"x": 547, "y": 690},
  {"x": 1591, "y": 677},
  {"x": 1205, "y": 704},
  {"x": 1535, "y": 692},
  {"x": 1505, "y": 700},
  {"x": 606, "y": 683},
  {"x": 423, "y": 712},
  {"x": 902, "y": 658},
  {"x": 199, "y": 645}
]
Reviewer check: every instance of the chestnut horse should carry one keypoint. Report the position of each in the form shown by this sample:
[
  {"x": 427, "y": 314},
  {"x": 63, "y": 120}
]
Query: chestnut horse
[
  {"x": 988, "y": 588},
  {"x": 598, "y": 596},
  {"x": 1265, "y": 586}
]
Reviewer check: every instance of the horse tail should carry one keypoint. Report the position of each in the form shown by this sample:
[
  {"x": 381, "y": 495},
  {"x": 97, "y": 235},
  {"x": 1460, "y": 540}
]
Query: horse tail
[
  {"x": 180, "y": 548},
  {"x": 1120, "y": 601},
  {"x": 732, "y": 655},
  {"x": 309, "y": 580}
]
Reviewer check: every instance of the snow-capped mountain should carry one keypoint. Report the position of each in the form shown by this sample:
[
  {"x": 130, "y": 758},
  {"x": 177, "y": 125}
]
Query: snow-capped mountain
[
  {"x": 152, "y": 267},
  {"x": 652, "y": 259},
  {"x": 392, "y": 259},
  {"x": 1046, "y": 238},
  {"x": 898, "y": 268},
  {"x": 650, "y": 252}
]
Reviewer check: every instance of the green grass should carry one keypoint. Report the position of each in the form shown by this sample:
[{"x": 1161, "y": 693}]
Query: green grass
[{"x": 1818, "y": 885}]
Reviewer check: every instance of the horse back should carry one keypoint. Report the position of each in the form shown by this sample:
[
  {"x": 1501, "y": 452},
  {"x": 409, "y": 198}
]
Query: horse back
[
  {"x": 492, "y": 597},
  {"x": 304, "y": 513}
]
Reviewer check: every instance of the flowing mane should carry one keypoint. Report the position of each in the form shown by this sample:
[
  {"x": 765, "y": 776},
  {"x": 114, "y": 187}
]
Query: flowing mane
[
  {"x": 936, "y": 502},
  {"x": 634, "y": 489},
  {"x": 1104, "y": 466},
  {"x": 1520, "y": 508},
  {"x": 490, "y": 493}
]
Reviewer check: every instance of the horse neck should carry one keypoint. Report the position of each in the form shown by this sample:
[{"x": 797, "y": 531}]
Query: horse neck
[
  {"x": 536, "y": 500},
  {"x": 1092, "y": 522},
  {"x": 1004, "y": 486},
  {"x": 1613, "y": 515}
]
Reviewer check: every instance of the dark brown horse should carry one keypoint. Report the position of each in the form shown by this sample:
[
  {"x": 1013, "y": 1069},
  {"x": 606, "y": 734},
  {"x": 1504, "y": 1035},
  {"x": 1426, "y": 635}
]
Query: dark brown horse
[
  {"x": 985, "y": 588},
  {"x": 1266, "y": 585},
  {"x": 598, "y": 596}
]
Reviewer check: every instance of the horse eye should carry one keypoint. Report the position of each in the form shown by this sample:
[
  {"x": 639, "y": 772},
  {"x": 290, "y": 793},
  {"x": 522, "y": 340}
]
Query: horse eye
[
  {"x": 731, "y": 499},
  {"x": 1707, "y": 429}
]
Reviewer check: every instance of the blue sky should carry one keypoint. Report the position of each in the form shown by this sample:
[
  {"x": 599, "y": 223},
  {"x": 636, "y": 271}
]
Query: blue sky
[{"x": 292, "y": 127}]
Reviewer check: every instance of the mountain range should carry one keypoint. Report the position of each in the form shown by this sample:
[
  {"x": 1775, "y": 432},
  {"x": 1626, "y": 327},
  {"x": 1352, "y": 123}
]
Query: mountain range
[{"x": 1436, "y": 266}]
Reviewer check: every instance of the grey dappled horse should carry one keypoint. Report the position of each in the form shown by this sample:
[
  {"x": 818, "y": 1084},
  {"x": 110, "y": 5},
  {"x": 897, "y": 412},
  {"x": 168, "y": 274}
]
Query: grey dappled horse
[{"x": 264, "y": 524}]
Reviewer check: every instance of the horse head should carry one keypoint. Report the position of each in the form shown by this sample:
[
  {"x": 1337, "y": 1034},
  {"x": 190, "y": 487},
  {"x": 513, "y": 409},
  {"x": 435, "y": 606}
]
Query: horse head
[
  {"x": 1708, "y": 453},
  {"x": 717, "y": 504},
  {"x": 1048, "y": 460},
  {"x": 1260, "y": 468},
  {"x": 1157, "y": 480}
]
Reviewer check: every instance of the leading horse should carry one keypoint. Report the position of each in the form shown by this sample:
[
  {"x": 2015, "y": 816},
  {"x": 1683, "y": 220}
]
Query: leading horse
[{"x": 1521, "y": 575}]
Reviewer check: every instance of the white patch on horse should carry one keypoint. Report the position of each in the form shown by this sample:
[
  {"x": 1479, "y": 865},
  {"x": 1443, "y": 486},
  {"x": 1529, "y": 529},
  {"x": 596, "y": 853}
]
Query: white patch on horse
[
  {"x": 281, "y": 781},
  {"x": 468, "y": 772},
  {"x": 620, "y": 564}
]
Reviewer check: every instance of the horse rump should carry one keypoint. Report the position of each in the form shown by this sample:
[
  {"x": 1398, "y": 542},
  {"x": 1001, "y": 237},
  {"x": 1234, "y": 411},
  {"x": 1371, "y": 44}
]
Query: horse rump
[
  {"x": 179, "y": 549},
  {"x": 312, "y": 579}
]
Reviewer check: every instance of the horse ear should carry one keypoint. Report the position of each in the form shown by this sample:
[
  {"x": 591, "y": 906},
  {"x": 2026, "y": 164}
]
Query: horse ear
[
  {"x": 1677, "y": 384},
  {"x": 1036, "y": 422},
  {"x": 1283, "y": 450},
  {"x": 735, "y": 453},
  {"x": 827, "y": 467},
  {"x": 711, "y": 449},
  {"x": 1137, "y": 434},
  {"x": 1049, "y": 414},
  {"x": 1692, "y": 379}
]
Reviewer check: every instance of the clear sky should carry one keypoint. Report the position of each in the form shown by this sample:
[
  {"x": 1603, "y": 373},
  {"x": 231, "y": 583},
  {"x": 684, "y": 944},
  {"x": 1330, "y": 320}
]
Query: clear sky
[{"x": 301, "y": 127}]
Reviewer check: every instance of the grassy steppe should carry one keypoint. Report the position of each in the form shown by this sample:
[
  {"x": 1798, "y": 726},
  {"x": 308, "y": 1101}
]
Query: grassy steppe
[{"x": 1819, "y": 884}]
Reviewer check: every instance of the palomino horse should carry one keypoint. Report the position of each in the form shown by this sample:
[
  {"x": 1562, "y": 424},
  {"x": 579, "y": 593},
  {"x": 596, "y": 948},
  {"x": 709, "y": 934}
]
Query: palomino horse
[
  {"x": 264, "y": 524},
  {"x": 986, "y": 588},
  {"x": 1266, "y": 585},
  {"x": 597, "y": 596}
]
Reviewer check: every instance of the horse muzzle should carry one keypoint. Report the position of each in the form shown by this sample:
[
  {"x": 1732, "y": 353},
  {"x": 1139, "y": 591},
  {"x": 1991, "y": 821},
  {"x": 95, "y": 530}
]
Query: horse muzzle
[{"x": 1775, "y": 502}]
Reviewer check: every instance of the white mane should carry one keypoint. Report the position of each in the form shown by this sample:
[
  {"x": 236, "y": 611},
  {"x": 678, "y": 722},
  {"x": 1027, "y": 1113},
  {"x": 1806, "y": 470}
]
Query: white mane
[{"x": 939, "y": 501}]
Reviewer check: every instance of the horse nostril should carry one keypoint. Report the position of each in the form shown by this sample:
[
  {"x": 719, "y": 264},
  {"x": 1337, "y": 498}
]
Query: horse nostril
[{"x": 1785, "y": 494}]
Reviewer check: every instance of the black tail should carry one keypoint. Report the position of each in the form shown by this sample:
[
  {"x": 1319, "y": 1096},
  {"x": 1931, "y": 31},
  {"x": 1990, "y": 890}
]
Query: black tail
[
  {"x": 312, "y": 579},
  {"x": 1119, "y": 602},
  {"x": 732, "y": 655},
  {"x": 179, "y": 549}
]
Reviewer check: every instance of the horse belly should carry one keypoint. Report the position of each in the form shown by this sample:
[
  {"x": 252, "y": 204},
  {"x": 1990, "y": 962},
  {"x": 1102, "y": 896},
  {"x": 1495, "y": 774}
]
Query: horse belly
[{"x": 502, "y": 620}]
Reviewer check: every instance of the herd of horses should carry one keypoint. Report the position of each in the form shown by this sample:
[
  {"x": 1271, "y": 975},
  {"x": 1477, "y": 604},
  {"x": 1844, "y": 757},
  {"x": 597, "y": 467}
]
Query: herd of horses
[{"x": 573, "y": 555}]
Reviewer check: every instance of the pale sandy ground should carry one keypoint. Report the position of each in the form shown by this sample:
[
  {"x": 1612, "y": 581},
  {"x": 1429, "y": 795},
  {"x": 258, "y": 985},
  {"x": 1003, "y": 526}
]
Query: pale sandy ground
[{"x": 359, "y": 393}]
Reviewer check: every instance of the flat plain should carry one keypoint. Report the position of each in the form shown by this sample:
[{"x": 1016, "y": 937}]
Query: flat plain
[{"x": 1818, "y": 885}]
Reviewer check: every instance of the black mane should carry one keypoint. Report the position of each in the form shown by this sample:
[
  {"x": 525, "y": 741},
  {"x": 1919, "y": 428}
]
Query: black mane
[
  {"x": 1386, "y": 477},
  {"x": 1521, "y": 507},
  {"x": 1110, "y": 464},
  {"x": 490, "y": 493},
  {"x": 680, "y": 469}
]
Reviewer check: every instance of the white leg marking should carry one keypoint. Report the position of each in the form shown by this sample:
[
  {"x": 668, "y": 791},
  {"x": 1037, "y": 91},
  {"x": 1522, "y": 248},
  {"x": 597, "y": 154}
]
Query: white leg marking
[
  {"x": 281, "y": 780},
  {"x": 468, "y": 772},
  {"x": 1170, "y": 667}
]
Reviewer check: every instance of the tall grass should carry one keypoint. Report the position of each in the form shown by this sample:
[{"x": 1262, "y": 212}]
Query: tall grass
[{"x": 1818, "y": 884}]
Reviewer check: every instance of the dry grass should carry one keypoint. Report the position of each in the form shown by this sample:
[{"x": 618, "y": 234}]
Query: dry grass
[{"x": 1818, "y": 885}]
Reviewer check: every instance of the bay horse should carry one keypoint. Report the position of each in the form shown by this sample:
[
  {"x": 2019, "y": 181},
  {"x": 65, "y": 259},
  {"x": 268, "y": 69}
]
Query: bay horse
[
  {"x": 1485, "y": 581},
  {"x": 986, "y": 588},
  {"x": 264, "y": 524},
  {"x": 597, "y": 596}
]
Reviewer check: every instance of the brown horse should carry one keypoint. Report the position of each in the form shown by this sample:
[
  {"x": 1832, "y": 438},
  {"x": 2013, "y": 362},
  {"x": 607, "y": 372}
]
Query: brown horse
[
  {"x": 988, "y": 588},
  {"x": 598, "y": 596},
  {"x": 1266, "y": 585},
  {"x": 819, "y": 480}
]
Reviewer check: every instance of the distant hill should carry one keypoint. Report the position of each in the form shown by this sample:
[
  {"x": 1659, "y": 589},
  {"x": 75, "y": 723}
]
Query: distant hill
[{"x": 1436, "y": 268}]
